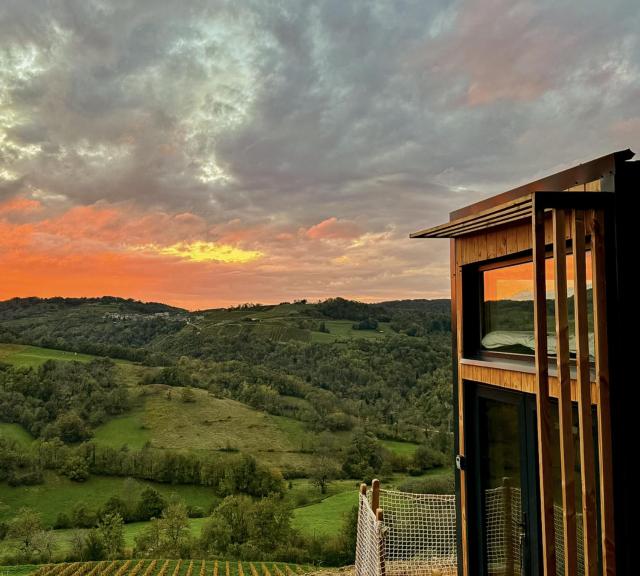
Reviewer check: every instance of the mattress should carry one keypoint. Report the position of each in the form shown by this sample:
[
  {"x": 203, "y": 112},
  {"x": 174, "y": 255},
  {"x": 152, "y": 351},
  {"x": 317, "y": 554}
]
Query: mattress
[{"x": 498, "y": 339}]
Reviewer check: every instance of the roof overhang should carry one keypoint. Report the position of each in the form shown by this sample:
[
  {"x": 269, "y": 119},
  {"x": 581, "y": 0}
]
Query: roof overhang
[{"x": 516, "y": 204}]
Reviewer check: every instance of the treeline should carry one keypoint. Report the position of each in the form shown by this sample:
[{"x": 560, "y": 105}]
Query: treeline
[
  {"x": 62, "y": 400},
  {"x": 225, "y": 473},
  {"x": 237, "y": 527}
]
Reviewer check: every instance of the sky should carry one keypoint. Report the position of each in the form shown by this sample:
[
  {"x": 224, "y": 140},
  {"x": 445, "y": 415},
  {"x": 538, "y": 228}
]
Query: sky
[{"x": 209, "y": 153}]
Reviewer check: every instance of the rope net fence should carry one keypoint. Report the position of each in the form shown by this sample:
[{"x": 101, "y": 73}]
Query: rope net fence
[
  {"x": 405, "y": 534},
  {"x": 411, "y": 535}
]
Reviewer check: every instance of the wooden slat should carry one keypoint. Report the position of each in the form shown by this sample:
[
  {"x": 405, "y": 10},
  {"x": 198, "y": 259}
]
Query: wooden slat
[
  {"x": 564, "y": 393},
  {"x": 585, "y": 422},
  {"x": 542, "y": 397},
  {"x": 456, "y": 288},
  {"x": 602, "y": 378},
  {"x": 516, "y": 380},
  {"x": 508, "y": 209}
]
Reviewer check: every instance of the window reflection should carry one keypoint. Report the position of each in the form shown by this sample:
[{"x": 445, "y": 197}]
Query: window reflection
[{"x": 507, "y": 310}]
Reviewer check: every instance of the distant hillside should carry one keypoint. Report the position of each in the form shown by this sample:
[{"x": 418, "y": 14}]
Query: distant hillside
[{"x": 138, "y": 331}]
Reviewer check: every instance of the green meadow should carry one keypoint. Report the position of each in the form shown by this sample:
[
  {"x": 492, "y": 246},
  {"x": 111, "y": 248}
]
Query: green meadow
[{"x": 29, "y": 356}]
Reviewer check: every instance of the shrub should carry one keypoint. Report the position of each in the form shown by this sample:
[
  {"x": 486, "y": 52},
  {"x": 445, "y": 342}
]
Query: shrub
[
  {"x": 75, "y": 468},
  {"x": 441, "y": 484}
]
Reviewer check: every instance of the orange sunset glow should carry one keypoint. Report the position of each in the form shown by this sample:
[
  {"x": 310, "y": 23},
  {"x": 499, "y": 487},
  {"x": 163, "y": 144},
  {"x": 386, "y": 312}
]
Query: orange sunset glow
[{"x": 266, "y": 152}]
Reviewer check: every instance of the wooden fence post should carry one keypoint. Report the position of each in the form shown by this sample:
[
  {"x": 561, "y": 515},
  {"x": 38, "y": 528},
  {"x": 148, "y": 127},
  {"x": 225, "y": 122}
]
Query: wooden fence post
[{"x": 375, "y": 496}]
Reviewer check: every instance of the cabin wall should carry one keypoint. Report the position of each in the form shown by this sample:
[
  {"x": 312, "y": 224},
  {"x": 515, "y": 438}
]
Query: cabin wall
[
  {"x": 511, "y": 238},
  {"x": 498, "y": 242}
]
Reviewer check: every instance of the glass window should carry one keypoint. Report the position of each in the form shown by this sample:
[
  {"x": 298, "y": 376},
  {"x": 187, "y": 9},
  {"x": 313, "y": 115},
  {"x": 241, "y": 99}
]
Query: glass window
[{"x": 507, "y": 308}]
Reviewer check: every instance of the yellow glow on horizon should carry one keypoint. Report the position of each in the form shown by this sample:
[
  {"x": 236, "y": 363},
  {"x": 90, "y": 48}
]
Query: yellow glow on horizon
[{"x": 201, "y": 251}]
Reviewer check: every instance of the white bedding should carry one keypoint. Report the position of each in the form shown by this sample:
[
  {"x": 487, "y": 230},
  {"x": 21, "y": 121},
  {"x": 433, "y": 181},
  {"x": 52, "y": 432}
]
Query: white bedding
[{"x": 502, "y": 338}]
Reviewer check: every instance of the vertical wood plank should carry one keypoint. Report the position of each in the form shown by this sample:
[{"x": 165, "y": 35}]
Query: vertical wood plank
[
  {"x": 492, "y": 244},
  {"x": 542, "y": 391},
  {"x": 583, "y": 379},
  {"x": 481, "y": 253},
  {"x": 564, "y": 393},
  {"x": 602, "y": 387},
  {"x": 512, "y": 240},
  {"x": 522, "y": 237},
  {"x": 456, "y": 290}
]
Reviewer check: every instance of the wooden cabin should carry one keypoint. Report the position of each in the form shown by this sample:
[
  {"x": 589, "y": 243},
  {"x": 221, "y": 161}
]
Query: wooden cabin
[{"x": 541, "y": 391}]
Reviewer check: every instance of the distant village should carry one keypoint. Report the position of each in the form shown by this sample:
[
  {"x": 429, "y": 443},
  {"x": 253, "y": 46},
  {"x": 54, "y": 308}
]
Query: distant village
[{"x": 186, "y": 318}]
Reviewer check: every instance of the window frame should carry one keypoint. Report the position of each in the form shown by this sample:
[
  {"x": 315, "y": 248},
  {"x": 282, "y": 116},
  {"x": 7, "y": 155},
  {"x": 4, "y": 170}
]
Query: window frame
[{"x": 473, "y": 305}]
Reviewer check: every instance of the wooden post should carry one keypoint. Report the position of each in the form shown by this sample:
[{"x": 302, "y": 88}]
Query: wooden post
[
  {"x": 508, "y": 526},
  {"x": 456, "y": 294},
  {"x": 375, "y": 495},
  {"x": 380, "y": 519},
  {"x": 363, "y": 489},
  {"x": 602, "y": 388},
  {"x": 565, "y": 407},
  {"x": 543, "y": 407},
  {"x": 585, "y": 421}
]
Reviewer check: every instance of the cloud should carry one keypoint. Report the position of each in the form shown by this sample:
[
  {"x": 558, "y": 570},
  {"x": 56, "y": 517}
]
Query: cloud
[
  {"x": 318, "y": 134},
  {"x": 333, "y": 229}
]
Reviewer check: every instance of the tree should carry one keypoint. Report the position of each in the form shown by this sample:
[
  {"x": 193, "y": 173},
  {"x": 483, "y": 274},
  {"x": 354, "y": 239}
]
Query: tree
[
  {"x": 82, "y": 516},
  {"x": 115, "y": 505},
  {"x": 148, "y": 542},
  {"x": 175, "y": 529},
  {"x": 76, "y": 468},
  {"x": 70, "y": 428},
  {"x": 93, "y": 548},
  {"x": 323, "y": 472},
  {"x": 25, "y": 527},
  {"x": 44, "y": 544},
  {"x": 151, "y": 504},
  {"x": 111, "y": 530},
  {"x": 364, "y": 457},
  {"x": 426, "y": 457}
]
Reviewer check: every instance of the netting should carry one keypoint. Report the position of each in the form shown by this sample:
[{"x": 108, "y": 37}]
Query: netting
[
  {"x": 417, "y": 536},
  {"x": 559, "y": 533},
  {"x": 503, "y": 516},
  {"x": 370, "y": 541}
]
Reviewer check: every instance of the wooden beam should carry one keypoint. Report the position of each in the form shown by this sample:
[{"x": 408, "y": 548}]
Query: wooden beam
[
  {"x": 565, "y": 408},
  {"x": 602, "y": 390},
  {"x": 456, "y": 286},
  {"x": 585, "y": 421},
  {"x": 542, "y": 393}
]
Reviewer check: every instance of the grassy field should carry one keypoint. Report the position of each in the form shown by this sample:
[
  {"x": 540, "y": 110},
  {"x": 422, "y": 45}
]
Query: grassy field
[
  {"x": 21, "y": 570},
  {"x": 343, "y": 329},
  {"x": 210, "y": 423},
  {"x": 327, "y": 517},
  {"x": 15, "y": 432},
  {"x": 21, "y": 355},
  {"x": 128, "y": 430},
  {"x": 59, "y": 494},
  {"x": 400, "y": 448}
]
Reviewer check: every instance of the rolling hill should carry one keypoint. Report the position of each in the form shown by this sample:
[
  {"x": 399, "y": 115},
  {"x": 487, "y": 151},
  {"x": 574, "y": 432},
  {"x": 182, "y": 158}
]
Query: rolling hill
[{"x": 338, "y": 390}]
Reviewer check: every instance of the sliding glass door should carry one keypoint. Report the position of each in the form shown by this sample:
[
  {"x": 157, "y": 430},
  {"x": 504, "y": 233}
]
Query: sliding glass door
[{"x": 504, "y": 483}]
